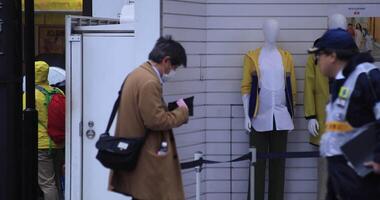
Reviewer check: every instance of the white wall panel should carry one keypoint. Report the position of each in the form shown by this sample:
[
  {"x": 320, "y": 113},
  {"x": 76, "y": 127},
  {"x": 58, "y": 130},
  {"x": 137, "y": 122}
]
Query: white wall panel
[
  {"x": 258, "y": 36},
  {"x": 186, "y": 34},
  {"x": 185, "y": 20},
  {"x": 256, "y": 23},
  {"x": 193, "y": 48},
  {"x": 291, "y": 1},
  {"x": 179, "y": 21},
  {"x": 267, "y": 10},
  {"x": 216, "y": 35},
  {"x": 241, "y": 48},
  {"x": 237, "y": 61},
  {"x": 184, "y": 8}
]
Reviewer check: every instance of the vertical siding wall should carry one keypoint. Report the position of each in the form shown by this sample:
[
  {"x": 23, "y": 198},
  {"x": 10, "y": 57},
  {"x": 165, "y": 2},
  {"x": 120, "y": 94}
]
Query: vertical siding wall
[
  {"x": 216, "y": 34},
  {"x": 186, "y": 22}
]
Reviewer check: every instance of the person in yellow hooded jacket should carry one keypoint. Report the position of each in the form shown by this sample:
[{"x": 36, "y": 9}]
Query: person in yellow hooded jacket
[{"x": 47, "y": 149}]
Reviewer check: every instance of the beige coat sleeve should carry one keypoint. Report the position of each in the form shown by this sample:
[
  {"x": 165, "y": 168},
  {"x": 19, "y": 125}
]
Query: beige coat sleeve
[{"x": 153, "y": 111}]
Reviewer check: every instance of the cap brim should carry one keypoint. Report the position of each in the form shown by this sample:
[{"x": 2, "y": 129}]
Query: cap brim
[{"x": 313, "y": 50}]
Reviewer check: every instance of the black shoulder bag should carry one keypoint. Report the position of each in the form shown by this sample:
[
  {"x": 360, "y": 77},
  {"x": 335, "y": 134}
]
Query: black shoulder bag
[{"x": 118, "y": 153}]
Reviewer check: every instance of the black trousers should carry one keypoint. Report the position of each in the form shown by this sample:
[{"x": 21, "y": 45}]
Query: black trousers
[
  {"x": 345, "y": 184},
  {"x": 273, "y": 142}
]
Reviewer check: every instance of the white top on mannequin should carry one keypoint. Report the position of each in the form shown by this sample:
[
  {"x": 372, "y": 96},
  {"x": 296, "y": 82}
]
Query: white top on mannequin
[
  {"x": 337, "y": 21},
  {"x": 272, "y": 99}
]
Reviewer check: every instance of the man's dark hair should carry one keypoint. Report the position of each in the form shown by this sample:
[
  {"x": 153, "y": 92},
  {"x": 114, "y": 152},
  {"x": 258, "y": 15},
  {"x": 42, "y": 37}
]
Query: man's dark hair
[
  {"x": 166, "y": 46},
  {"x": 342, "y": 54},
  {"x": 350, "y": 24}
]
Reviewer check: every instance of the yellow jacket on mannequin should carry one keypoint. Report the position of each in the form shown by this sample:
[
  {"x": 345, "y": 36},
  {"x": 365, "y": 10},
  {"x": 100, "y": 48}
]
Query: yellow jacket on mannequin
[
  {"x": 41, "y": 78},
  {"x": 251, "y": 75},
  {"x": 316, "y": 96}
]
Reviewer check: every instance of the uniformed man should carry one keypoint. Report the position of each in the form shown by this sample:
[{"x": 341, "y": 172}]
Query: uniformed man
[{"x": 355, "y": 102}]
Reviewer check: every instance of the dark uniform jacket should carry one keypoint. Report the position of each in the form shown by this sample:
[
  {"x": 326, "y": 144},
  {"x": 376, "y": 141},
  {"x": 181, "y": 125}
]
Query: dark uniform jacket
[{"x": 365, "y": 95}]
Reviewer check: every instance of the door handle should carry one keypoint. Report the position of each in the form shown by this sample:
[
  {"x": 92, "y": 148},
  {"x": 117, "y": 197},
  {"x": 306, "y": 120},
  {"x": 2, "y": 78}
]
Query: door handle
[{"x": 90, "y": 133}]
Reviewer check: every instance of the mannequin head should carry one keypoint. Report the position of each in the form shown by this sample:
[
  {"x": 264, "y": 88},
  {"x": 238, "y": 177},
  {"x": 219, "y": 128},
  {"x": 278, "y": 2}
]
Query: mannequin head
[
  {"x": 337, "y": 21},
  {"x": 271, "y": 28}
]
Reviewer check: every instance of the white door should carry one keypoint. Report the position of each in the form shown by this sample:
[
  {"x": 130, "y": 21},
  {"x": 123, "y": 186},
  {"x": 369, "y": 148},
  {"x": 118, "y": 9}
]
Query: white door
[{"x": 107, "y": 59}]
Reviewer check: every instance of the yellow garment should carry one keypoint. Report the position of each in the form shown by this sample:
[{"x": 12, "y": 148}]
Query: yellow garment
[
  {"x": 251, "y": 67},
  {"x": 41, "y": 74},
  {"x": 56, "y": 5},
  {"x": 316, "y": 96}
]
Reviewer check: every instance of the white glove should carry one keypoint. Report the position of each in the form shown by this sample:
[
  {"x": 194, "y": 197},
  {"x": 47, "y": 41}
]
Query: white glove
[
  {"x": 247, "y": 124},
  {"x": 247, "y": 120},
  {"x": 313, "y": 127}
]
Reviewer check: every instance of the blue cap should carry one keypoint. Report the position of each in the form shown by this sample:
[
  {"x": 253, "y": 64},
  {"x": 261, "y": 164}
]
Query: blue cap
[{"x": 335, "y": 39}]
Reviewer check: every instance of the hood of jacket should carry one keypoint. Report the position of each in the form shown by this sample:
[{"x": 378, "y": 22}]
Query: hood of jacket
[{"x": 41, "y": 70}]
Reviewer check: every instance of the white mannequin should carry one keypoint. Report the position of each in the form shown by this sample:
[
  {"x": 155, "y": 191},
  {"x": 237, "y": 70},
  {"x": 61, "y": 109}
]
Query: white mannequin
[
  {"x": 335, "y": 21},
  {"x": 271, "y": 30}
]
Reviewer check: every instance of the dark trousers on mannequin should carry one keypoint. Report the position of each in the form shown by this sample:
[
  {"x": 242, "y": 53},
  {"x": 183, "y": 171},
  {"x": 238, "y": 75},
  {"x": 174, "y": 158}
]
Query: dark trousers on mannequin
[{"x": 271, "y": 141}]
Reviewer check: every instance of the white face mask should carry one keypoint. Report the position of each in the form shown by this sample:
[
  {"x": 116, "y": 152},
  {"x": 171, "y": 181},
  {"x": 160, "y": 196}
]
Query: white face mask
[{"x": 168, "y": 76}]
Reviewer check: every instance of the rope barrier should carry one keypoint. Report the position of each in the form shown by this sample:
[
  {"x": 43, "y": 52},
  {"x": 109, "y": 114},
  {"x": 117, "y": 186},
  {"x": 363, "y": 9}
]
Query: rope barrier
[{"x": 259, "y": 156}]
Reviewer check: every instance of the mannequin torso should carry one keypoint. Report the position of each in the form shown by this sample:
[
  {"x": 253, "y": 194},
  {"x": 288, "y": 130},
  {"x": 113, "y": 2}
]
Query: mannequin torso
[
  {"x": 272, "y": 108},
  {"x": 271, "y": 67}
]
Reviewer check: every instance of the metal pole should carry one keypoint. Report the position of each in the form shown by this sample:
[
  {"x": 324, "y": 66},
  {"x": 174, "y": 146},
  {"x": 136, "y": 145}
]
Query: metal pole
[
  {"x": 87, "y": 8},
  {"x": 29, "y": 139},
  {"x": 10, "y": 99},
  {"x": 198, "y": 155},
  {"x": 252, "y": 173}
]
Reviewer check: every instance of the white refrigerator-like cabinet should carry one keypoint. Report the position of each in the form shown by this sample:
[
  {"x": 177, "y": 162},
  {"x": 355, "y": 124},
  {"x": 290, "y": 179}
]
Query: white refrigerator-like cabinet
[{"x": 99, "y": 55}]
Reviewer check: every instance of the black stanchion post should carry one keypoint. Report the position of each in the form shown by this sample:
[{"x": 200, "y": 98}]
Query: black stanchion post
[
  {"x": 10, "y": 99},
  {"x": 87, "y": 8},
  {"x": 29, "y": 139}
]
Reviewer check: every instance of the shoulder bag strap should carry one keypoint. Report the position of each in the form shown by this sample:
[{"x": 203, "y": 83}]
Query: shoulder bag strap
[{"x": 114, "y": 109}]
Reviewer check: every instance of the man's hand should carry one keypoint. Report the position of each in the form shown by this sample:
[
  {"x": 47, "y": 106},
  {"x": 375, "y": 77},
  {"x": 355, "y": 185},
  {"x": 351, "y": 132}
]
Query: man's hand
[
  {"x": 375, "y": 166},
  {"x": 181, "y": 103}
]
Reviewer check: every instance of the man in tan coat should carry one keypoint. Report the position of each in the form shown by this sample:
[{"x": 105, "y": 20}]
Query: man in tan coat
[{"x": 142, "y": 110}]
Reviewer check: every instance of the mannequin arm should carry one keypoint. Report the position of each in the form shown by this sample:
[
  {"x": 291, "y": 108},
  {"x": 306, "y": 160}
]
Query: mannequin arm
[
  {"x": 246, "y": 85},
  {"x": 247, "y": 120}
]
